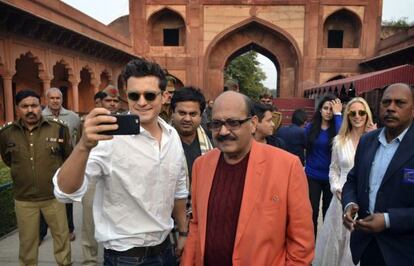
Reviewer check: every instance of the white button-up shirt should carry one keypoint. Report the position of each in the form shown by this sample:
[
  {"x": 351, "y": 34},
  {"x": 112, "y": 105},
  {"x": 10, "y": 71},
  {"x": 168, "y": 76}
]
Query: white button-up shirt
[{"x": 137, "y": 183}]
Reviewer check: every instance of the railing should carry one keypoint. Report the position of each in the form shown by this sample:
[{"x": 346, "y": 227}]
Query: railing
[{"x": 7, "y": 213}]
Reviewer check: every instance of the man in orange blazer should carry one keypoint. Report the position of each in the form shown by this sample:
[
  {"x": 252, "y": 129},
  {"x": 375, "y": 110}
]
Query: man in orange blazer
[{"x": 250, "y": 200}]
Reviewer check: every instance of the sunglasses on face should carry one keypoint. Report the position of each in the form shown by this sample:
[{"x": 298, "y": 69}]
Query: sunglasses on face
[
  {"x": 148, "y": 96},
  {"x": 231, "y": 124},
  {"x": 359, "y": 112}
]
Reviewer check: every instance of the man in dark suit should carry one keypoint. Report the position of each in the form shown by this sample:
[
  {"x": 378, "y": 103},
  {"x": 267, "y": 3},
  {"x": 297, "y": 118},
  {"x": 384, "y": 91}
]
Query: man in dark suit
[
  {"x": 380, "y": 187},
  {"x": 294, "y": 135}
]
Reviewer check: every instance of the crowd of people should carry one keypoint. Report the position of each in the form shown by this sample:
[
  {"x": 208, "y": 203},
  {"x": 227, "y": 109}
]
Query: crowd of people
[{"x": 213, "y": 181}]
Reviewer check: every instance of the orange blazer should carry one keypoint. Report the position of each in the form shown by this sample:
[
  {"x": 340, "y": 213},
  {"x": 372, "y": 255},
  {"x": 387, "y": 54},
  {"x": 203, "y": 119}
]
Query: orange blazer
[{"x": 275, "y": 221}]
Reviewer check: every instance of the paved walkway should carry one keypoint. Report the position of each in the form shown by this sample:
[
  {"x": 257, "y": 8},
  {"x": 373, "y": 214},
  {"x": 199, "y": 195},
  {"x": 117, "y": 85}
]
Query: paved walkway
[{"x": 9, "y": 246}]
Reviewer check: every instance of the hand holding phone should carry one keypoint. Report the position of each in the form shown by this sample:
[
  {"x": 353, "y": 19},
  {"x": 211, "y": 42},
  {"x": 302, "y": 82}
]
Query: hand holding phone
[
  {"x": 350, "y": 216},
  {"x": 355, "y": 216},
  {"x": 127, "y": 125},
  {"x": 97, "y": 121}
]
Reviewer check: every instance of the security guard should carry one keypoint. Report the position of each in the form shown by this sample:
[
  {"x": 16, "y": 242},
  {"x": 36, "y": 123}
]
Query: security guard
[{"x": 34, "y": 148}]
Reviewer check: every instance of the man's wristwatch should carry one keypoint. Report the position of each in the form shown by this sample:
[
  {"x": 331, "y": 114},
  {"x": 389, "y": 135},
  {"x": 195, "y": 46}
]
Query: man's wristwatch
[{"x": 182, "y": 233}]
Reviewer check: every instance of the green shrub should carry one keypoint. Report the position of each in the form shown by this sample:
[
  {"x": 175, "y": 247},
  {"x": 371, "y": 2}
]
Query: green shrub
[
  {"x": 4, "y": 173},
  {"x": 7, "y": 214}
]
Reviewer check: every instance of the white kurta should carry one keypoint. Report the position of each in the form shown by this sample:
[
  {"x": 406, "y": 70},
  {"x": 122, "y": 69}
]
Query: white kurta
[{"x": 332, "y": 242}]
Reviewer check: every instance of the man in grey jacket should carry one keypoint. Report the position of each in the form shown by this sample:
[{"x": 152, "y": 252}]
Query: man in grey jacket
[{"x": 54, "y": 109}]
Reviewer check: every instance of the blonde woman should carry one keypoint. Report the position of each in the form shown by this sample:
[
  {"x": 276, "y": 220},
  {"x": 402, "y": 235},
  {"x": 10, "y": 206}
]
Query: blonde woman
[{"x": 332, "y": 243}]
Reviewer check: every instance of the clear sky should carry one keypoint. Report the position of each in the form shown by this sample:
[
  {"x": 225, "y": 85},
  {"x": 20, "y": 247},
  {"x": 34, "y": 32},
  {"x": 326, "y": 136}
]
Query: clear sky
[{"x": 107, "y": 11}]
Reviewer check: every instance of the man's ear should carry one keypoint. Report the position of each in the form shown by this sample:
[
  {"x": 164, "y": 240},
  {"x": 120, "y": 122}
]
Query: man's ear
[{"x": 254, "y": 122}]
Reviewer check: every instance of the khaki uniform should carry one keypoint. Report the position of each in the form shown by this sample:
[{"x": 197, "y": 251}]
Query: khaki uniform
[{"x": 34, "y": 156}]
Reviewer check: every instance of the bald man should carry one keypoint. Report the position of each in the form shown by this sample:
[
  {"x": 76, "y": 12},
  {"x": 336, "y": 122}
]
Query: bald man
[
  {"x": 243, "y": 193},
  {"x": 380, "y": 187}
]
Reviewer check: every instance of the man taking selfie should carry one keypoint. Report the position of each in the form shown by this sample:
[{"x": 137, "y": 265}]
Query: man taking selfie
[{"x": 140, "y": 179}]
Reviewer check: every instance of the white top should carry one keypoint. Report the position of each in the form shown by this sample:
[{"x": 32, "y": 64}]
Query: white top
[
  {"x": 137, "y": 183},
  {"x": 342, "y": 162}
]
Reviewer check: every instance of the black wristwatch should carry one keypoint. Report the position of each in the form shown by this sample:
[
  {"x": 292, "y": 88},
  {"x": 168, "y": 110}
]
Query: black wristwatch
[{"x": 182, "y": 233}]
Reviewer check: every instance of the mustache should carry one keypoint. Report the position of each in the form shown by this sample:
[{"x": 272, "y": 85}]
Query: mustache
[
  {"x": 30, "y": 114},
  {"x": 390, "y": 117},
  {"x": 186, "y": 124},
  {"x": 222, "y": 138}
]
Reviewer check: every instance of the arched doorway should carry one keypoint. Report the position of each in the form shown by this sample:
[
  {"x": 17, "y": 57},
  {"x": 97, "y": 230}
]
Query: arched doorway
[
  {"x": 105, "y": 80},
  {"x": 342, "y": 29},
  {"x": 166, "y": 28},
  {"x": 86, "y": 91},
  {"x": 61, "y": 81},
  {"x": 27, "y": 74},
  {"x": 245, "y": 62},
  {"x": 254, "y": 34}
]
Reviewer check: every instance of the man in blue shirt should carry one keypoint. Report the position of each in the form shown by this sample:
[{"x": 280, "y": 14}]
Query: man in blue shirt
[{"x": 378, "y": 195}]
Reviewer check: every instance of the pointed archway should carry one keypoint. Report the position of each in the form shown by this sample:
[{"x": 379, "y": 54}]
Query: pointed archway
[
  {"x": 86, "y": 89},
  {"x": 264, "y": 37},
  {"x": 260, "y": 51},
  {"x": 61, "y": 80}
]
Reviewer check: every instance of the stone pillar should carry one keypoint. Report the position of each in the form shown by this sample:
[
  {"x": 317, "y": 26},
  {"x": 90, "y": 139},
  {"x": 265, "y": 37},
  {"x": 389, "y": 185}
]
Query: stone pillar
[
  {"x": 75, "y": 96},
  {"x": 94, "y": 86},
  {"x": 46, "y": 86},
  {"x": 8, "y": 97}
]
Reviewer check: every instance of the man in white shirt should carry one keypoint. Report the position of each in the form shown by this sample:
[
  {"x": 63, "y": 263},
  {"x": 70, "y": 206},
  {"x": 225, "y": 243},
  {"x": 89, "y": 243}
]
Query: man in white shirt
[{"x": 141, "y": 179}]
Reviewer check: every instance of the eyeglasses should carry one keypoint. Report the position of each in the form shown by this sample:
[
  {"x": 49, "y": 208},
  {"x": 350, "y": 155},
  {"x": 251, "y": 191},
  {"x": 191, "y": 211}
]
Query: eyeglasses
[
  {"x": 359, "y": 112},
  {"x": 148, "y": 96},
  {"x": 230, "y": 124}
]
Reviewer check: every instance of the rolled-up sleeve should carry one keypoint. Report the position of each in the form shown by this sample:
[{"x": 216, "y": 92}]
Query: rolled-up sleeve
[
  {"x": 181, "y": 191},
  {"x": 68, "y": 198},
  {"x": 96, "y": 167}
]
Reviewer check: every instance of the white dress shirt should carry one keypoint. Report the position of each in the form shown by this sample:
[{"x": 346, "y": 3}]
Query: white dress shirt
[{"x": 137, "y": 183}]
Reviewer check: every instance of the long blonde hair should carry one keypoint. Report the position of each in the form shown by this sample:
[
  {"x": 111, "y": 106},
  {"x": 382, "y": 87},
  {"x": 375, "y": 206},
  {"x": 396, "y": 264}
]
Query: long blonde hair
[{"x": 346, "y": 126}]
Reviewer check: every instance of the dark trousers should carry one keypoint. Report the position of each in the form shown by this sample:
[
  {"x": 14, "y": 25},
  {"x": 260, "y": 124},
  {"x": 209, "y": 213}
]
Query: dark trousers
[
  {"x": 69, "y": 214},
  {"x": 316, "y": 188},
  {"x": 372, "y": 255},
  {"x": 164, "y": 258}
]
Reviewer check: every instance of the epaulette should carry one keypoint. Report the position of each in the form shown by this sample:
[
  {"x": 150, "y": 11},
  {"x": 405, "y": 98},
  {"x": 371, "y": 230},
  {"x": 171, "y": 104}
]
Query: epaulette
[
  {"x": 60, "y": 122},
  {"x": 8, "y": 124}
]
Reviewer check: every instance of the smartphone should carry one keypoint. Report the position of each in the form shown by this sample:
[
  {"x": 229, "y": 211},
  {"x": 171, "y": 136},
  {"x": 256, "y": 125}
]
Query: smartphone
[
  {"x": 127, "y": 125},
  {"x": 355, "y": 216}
]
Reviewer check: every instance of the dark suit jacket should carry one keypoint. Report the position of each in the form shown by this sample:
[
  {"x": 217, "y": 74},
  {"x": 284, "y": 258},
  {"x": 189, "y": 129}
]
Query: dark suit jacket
[
  {"x": 395, "y": 196},
  {"x": 295, "y": 140}
]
